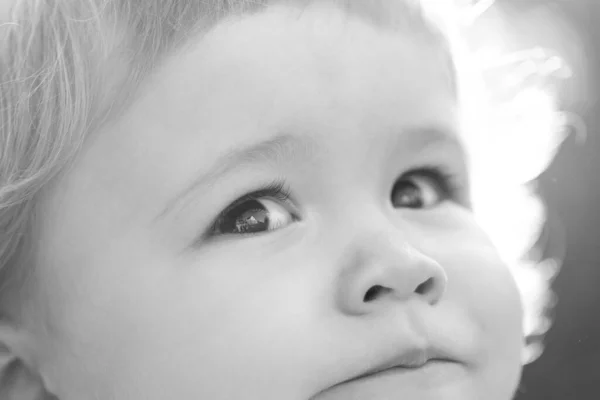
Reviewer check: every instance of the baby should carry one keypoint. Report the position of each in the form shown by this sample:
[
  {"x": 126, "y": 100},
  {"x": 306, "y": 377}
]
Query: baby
[{"x": 234, "y": 199}]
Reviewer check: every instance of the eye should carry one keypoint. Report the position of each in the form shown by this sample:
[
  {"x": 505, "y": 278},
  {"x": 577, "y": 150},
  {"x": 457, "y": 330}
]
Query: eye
[
  {"x": 423, "y": 188},
  {"x": 256, "y": 213}
]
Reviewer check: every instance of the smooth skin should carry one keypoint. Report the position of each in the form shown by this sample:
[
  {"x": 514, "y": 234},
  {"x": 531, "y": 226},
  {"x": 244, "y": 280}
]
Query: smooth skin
[{"x": 142, "y": 295}]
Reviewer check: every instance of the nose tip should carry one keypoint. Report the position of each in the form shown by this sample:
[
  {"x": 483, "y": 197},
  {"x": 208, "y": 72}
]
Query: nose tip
[
  {"x": 396, "y": 276},
  {"x": 430, "y": 290}
]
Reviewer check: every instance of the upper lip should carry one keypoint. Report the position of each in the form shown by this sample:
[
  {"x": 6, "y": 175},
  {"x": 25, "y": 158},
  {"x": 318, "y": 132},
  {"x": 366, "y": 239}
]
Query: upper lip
[{"x": 412, "y": 357}]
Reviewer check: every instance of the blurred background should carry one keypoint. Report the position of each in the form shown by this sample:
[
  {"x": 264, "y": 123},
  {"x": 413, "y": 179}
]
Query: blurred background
[{"x": 570, "y": 365}]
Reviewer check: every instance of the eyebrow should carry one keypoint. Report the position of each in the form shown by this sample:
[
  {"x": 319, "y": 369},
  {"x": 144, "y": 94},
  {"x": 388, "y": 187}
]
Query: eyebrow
[
  {"x": 286, "y": 147},
  {"x": 283, "y": 147}
]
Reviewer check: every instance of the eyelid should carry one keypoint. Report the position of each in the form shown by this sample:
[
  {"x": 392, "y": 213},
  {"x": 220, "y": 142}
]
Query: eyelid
[
  {"x": 277, "y": 189},
  {"x": 438, "y": 174},
  {"x": 450, "y": 182}
]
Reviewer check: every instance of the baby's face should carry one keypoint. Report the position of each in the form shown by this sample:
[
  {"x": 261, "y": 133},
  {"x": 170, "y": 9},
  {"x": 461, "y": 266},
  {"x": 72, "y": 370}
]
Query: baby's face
[{"x": 284, "y": 209}]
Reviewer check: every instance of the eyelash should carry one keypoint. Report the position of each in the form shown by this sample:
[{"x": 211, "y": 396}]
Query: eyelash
[
  {"x": 277, "y": 190},
  {"x": 447, "y": 182}
]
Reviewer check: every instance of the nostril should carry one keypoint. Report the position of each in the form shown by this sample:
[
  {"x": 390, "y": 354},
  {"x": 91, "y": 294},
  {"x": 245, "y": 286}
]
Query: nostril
[
  {"x": 374, "y": 292},
  {"x": 378, "y": 290},
  {"x": 425, "y": 287}
]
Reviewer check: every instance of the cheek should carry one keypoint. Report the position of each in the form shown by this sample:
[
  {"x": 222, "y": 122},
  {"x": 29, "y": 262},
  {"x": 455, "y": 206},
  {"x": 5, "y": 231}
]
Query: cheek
[
  {"x": 183, "y": 334},
  {"x": 479, "y": 282},
  {"x": 488, "y": 286},
  {"x": 476, "y": 272},
  {"x": 476, "y": 269},
  {"x": 482, "y": 285}
]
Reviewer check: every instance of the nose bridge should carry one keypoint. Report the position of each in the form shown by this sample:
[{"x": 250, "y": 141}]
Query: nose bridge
[{"x": 385, "y": 265}]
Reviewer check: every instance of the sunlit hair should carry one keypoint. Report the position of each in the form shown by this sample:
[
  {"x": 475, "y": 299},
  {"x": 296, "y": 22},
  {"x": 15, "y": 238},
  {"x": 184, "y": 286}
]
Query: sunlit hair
[{"x": 69, "y": 67}]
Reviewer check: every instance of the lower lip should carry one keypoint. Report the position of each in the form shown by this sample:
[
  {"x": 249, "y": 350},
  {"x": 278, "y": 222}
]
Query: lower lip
[
  {"x": 432, "y": 371},
  {"x": 435, "y": 375}
]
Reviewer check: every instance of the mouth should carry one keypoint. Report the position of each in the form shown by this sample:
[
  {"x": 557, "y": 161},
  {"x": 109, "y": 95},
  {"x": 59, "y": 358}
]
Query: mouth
[
  {"x": 412, "y": 358},
  {"x": 416, "y": 361},
  {"x": 421, "y": 368},
  {"x": 431, "y": 379},
  {"x": 414, "y": 369},
  {"x": 385, "y": 370}
]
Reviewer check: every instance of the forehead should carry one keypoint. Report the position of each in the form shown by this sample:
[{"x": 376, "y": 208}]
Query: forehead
[
  {"x": 316, "y": 72},
  {"x": 268, "y": 66},
  {"x": 312, "y": 71}
]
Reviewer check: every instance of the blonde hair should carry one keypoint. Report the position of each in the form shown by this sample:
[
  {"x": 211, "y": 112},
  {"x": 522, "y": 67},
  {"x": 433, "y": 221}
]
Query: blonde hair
[{"x": 60, "y": 81}]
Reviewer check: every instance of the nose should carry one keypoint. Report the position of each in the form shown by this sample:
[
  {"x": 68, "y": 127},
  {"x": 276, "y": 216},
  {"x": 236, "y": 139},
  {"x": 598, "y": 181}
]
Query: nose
[{"x": 385, "y": 268}]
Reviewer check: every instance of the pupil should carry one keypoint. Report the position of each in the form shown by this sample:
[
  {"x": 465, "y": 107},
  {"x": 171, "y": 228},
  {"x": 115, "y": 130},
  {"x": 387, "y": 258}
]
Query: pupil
[
  {"x": 409, "y": 195},
  {"x": 248, "y": 217}
]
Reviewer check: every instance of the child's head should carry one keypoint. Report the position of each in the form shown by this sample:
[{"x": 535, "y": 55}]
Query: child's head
[{"x": 241, "y": 200}]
